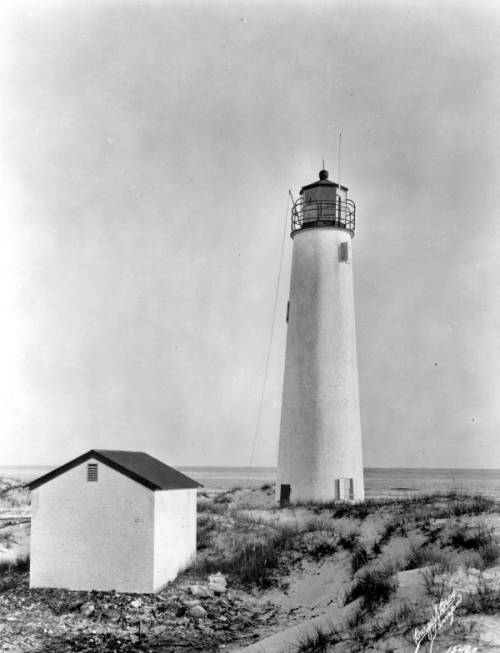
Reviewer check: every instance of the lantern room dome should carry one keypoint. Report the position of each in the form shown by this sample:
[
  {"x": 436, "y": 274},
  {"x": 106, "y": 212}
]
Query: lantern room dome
[{"x": 323, "y": 203}]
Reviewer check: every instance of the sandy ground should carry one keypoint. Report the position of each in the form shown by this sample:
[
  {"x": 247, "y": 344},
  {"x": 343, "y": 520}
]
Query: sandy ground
[
  {"x": 315, "y": 586},
  {"x": 313, "y": 573},
  {"x": 312, "y": 588}
]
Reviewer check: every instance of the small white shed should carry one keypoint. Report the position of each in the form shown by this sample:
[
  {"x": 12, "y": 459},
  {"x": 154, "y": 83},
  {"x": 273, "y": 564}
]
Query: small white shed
[{"x": 112, "y": 520}]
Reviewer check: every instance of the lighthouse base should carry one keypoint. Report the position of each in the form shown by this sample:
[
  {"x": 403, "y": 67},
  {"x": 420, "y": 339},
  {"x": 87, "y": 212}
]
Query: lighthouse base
[
  {"x": 345, "y": 489},
  {"x": 348, "y": 487}
]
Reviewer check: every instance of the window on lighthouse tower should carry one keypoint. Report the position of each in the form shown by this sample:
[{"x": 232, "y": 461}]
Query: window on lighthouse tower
[{"x": 344, "y": 253}]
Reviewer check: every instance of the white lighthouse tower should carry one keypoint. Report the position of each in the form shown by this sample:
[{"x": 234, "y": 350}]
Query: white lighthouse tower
[{"x": 320, "y": 453}]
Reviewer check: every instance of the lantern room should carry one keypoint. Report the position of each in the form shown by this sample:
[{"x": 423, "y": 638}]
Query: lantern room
[{"x": 323, "y": 204}]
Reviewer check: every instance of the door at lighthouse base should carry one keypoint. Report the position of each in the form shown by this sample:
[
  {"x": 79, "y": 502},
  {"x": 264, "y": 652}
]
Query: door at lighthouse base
[
  {"x": 344, "y": 489},
  {"x": 285, "y": 491}
]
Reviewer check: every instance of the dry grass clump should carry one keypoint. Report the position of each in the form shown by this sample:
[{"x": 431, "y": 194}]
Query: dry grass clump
[
  {"x": 425, "y": 556},
  {"x": 431, "y": 530},
  {"x": 207, "y": 525},
  {"x": 360, "y": 557},
  {"x": 317, "y": 642},
  {"x": 224, "y": 498},
  {"x": 485, "y": 601},
  {"x": 214, "y": 527},
  {"x": 238, "y": 498},
  {"x": 404, "y": 613},
  {"x": 7, "y": 536},
  {"x": 430, "y": 505},
  {"x": 485, "y": 557},
  {"x": 254, "y": 500},
  {"x": 249, "y": 549},
  {"x": 375, "y": 585},
  {"x": 465, "y": 536},
  {"x": 356, "y": 618},
  {"x": 253, "y": 564},
  {"x": 435, "y": 578},
  {"x": 359, "y": 510},
  {"x": 210, "y": 505},
  {"x": 317, "y": 523},
  {"x": 251, "y": 558},
  {"x": 457, "y": 504},
  {"x": 20, "y": 565},
  {"x": 478, "y": 540},
  {"x": 243, "y": 533},
  {"x": 397, "y": 526},
  {"x": 349, "y": 540},
  {"x": 9, "y": 569},
  {"x": 318, "y": 544},
  {"x": 204, "y": 505},
  {"x": 13, "y": 494},
  {"x": 489, "y": 553},
  {"x": 401, "y": 619}
]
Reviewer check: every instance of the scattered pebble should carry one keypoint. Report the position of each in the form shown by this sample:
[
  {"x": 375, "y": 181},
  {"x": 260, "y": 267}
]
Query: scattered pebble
[
  {"x": 200, "y": 590},
  {"x": 87, "y": 609},
  {"x": 217, "y": 583},
  {"x": 197, "y": 611}
]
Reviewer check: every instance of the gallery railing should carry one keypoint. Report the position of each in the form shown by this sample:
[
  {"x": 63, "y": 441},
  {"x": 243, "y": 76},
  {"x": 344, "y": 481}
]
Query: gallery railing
[{"x": 323, "y": 213}]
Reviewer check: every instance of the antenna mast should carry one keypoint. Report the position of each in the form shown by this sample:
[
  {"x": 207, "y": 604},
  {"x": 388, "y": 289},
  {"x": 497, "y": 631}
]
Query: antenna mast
[{"x": 340, "y": 143}]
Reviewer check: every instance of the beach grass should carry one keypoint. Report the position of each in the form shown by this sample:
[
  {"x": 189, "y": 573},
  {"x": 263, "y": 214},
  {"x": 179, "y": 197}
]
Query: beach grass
[
  {"x": 19, "y": 564},
  {"x": 370, "y": 545},
  {"x": 374, "y": 586},
  {"x": 263, "y": 546}
]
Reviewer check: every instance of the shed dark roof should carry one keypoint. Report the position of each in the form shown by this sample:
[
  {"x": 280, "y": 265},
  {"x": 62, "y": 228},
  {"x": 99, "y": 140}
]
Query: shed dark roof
[{"x": 137, "y": 465}]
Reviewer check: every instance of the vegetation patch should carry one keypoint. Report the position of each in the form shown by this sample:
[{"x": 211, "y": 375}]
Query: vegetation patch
[
  {"x": 470, "y": 537},
  {"x": 244, "y": 535},
  {"x": 318, "y": 544},
  {"x": 349, "y": 540},
  {"x": 424, "y": 556},
  {"x": 360, "y": 558},
  {"x": 13, "y": 494},
  {"x": 317, "y": 642},
  {"x": 252, "y": 564},
  {"x": 18, "y": 565},
  {"x": 374, "y": 586},
  {"x": 248, "y": 550},
  {"x": 485, "y": 601}
]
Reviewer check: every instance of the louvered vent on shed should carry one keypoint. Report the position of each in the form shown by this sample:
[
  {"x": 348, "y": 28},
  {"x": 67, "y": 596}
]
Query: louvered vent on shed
[{"x": 92, "y": 472}]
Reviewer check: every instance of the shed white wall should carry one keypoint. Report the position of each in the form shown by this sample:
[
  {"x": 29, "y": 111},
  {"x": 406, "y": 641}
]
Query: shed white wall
[
  {"x": 320, "y": 435},
  {"x": 93, "y": 535},
  {"x": 175, "y": 533}
]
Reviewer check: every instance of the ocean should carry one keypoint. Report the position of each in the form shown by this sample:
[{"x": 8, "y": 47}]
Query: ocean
[{"x": 379, "y": 482}]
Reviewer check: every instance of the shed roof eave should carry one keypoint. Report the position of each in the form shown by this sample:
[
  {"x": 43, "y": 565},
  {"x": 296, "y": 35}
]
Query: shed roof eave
[{"x": 179, "y": 481}]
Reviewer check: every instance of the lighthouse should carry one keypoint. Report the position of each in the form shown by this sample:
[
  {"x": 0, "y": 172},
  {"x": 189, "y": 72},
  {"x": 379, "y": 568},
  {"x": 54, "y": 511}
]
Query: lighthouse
[{"x": 320, "y": 450}]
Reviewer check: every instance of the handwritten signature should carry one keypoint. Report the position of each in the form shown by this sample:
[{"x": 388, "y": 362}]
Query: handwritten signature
[{"x": 443, "y": 613}]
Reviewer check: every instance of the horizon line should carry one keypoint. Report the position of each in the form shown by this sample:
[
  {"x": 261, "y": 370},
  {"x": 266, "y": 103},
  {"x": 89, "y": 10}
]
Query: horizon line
[{"x": 247, "y": 467}]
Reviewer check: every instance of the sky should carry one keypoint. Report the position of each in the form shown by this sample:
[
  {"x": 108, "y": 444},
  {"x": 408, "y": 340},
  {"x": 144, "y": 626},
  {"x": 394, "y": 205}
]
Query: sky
[{"x": 147, "y": 150}]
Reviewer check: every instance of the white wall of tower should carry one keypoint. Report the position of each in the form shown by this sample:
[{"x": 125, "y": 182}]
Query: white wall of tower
[{"x": 320, "y": 434}]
